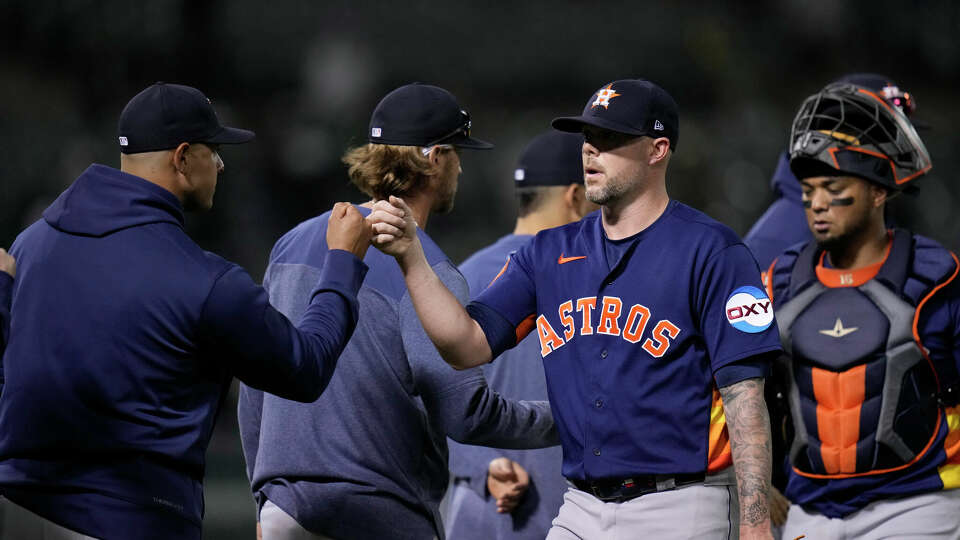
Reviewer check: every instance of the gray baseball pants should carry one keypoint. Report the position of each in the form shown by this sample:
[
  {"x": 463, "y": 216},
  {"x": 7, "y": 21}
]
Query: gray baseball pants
[
  {"x": 929, "y": 516},
  {"x": 704, "y": 512}
]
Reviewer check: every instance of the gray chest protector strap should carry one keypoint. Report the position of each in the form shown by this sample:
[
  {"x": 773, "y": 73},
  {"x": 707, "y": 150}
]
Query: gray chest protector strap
[{"x": 862, "y": 396}]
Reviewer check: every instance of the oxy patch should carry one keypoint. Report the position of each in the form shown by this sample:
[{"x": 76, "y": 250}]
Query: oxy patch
[{"x": 748, "y": 309}]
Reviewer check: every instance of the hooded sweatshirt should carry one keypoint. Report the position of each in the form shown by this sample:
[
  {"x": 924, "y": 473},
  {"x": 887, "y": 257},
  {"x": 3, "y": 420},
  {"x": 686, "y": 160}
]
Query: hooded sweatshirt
[
  {"x": 784, "y": 223},
  {"x": 123, "y": 340}
]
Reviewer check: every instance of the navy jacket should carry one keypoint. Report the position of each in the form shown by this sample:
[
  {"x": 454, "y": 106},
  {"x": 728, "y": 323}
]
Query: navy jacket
[{"x": 124, "y": 337}]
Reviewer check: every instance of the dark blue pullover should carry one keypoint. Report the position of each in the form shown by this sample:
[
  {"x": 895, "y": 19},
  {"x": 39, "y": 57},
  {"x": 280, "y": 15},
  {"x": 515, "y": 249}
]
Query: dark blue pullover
[{"x": 123, "y": 340}]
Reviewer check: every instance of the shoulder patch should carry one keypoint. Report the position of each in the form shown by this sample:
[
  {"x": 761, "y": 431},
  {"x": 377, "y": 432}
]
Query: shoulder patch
[{"x": 748, "y": 309}]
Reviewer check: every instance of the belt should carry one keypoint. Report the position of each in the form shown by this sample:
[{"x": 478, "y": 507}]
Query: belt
[{"x": 624, "y": 489}]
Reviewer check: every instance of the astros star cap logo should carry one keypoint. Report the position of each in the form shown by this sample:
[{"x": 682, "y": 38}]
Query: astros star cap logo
[{"x": 604, "y": 96}]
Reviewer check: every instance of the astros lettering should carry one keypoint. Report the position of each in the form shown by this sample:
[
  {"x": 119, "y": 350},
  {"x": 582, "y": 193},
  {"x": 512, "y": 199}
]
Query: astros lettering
[{"x": 577, "y": 317}]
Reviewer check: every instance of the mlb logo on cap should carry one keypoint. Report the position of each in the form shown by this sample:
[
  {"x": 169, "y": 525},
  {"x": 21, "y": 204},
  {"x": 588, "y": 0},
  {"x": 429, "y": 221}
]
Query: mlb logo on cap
[
  {"x": 518, "y": 175},
  {"x": 376, "y": 132}
]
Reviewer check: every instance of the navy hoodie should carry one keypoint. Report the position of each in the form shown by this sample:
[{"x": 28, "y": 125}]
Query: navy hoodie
[
  {"x": 784, "y": 223},
  {"x": 124, "y": 336}
]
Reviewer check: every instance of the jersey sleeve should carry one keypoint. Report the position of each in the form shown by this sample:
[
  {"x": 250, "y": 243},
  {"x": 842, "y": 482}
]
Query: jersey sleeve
[
  {"x": 512, "y": 296},
  {"x": 735, "y": 313}
]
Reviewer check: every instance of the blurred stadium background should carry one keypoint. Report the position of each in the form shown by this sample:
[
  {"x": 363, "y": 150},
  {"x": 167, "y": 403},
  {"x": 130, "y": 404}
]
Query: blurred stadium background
[{"x": 306, "y": 75}]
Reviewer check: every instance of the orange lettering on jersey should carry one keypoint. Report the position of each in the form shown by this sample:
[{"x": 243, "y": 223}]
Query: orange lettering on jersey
[
  {"x": 658, "y": 343},
  {"x": 567, "y": 320},
  {"x": 586, "y": 306},
  {"x": 636, "y": 323},
  {"x": 612, "y": 306},
  {"x": 549, "y": 340}
]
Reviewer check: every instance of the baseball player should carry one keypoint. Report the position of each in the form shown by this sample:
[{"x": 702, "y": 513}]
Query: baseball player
[
  {"x": 369, "y": 458},
  {"x": 126, "y": 335},
  {"x": 870, "y": 319},
  {"x": 784, "y": 224},
  {"x": 647, "y": 313},
  {"x": 515, "y": 494}
]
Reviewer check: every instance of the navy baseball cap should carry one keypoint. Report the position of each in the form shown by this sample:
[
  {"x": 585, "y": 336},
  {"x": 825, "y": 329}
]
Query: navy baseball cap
[
  {"x": 884, "y": 87},
  {"x": 164, "y": 115},
  {"x": 632, "y": 106},
  {"x": 553, "y": 158},
  {"x": 422, "y": 115}
]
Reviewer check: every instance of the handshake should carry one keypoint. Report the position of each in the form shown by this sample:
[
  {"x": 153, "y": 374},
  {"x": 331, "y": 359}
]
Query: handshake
[{"x": 390, "y": 227}]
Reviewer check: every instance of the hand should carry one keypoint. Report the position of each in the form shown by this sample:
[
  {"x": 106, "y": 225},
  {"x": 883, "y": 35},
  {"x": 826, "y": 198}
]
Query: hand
[
  {"x": 779, "y": 506},
  {"x": 347, "y": 230},
  {"x": 507, "y": 482},
  {"x": 394, "y": 229},
  {"x": 7, "y": 263},
  {"x": 259, "y": 532}
]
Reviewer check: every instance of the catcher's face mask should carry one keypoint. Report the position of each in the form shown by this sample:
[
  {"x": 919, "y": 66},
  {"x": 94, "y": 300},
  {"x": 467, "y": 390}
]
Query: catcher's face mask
[{"x": 850, "y": 129}]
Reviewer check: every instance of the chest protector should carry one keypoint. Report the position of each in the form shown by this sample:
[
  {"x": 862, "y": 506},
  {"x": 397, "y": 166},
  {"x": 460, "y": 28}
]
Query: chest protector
[{"x": 863, "y": 397}]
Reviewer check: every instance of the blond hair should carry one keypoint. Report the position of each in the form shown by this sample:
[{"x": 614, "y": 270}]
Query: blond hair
[{"x": 381, "y": 170}]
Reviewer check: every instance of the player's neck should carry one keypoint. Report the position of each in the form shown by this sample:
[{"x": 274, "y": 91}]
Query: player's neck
[
  {"x": 626, "y": 218},
  {"x": 866, "y": 248},
  {"x": 542, "y": 219}
]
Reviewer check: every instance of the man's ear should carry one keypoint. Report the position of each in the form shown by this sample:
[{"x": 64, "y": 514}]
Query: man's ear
[
  {"x": 659, "y": 150},
  {"x": 434, "y": 155},
  {"x": 179, "y": 158},
  {"x": 879, "y": 195}
]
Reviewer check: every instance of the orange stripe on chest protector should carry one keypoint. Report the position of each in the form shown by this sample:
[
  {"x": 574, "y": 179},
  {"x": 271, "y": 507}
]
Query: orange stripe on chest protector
[{"x": 839, "y": 398}]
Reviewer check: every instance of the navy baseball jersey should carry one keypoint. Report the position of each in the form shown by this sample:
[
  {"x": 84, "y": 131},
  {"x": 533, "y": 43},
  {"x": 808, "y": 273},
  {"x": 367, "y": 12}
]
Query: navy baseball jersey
[{"x": 636, "y": 335}]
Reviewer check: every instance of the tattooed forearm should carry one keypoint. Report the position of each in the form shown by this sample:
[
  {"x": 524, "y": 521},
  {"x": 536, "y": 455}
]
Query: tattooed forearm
[{"x": 749, "y": 427}]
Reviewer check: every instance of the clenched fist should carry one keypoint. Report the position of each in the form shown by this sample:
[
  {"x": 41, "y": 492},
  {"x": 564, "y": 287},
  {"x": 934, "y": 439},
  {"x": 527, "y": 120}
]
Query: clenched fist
[
  {"x": 7, "y": 263},
  {"x": 348, "y": 230}
]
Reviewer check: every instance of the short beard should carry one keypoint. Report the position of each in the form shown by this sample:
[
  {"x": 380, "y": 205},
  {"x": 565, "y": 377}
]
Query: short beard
[
  {"x": 842, "y": 242},
  {"x": 444, "y": 201},
  {"x": 614, "y": 189},
  {"x": 444, "y": 205}
]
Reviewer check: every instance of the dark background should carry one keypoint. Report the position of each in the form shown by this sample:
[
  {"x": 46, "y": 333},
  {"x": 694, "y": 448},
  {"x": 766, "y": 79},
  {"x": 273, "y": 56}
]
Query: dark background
[{"x": 306, "y": 75}]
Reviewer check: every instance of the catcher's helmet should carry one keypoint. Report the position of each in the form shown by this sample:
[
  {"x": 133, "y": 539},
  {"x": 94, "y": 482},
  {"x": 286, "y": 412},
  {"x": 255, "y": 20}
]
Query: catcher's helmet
[{"x": 849, "y": 129}]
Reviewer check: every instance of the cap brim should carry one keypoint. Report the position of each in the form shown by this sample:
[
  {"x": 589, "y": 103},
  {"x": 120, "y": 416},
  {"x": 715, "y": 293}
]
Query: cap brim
[
  {"x": 462, "y": 141},
  {"x": 475, "y": 144},
  {"x": 229, "y": 135},
  {"x": 574, "y": 124}
]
